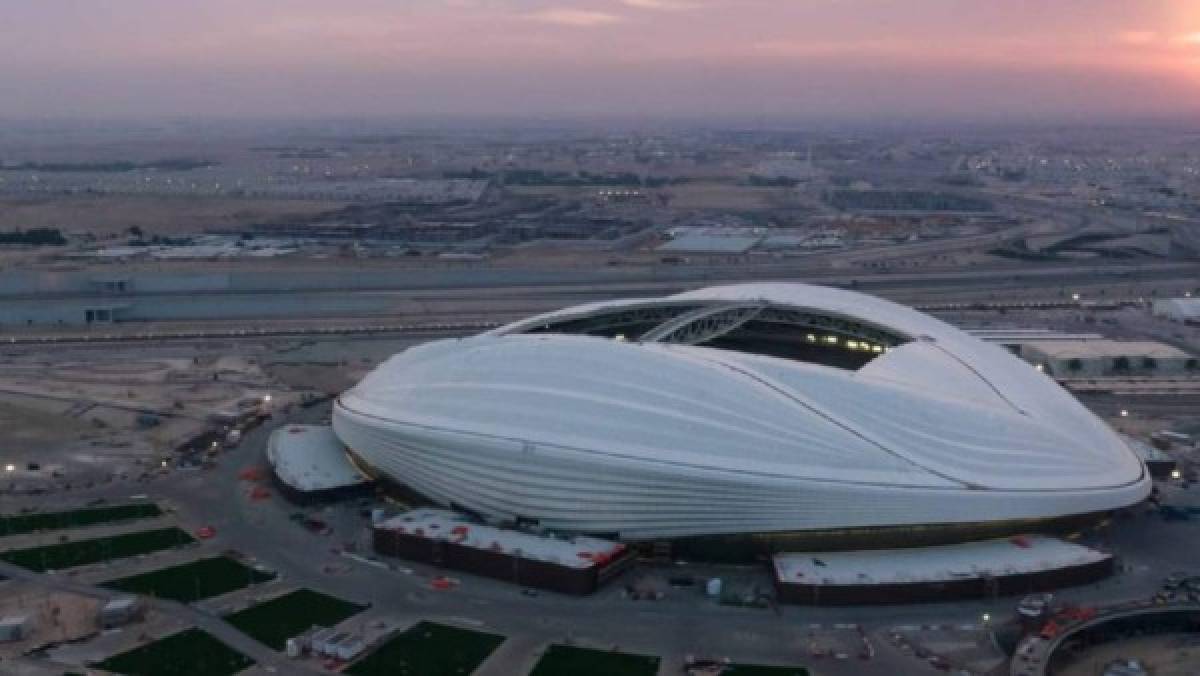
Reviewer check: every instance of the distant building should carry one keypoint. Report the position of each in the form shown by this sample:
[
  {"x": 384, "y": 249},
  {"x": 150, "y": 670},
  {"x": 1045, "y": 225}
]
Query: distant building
[
  {"x": 622, "y": 196},
  {"x": 1185, "y": 310},
  {"x": 711, "y": 244},
  {"x": 1091, "y": 358},
  {"x": 1185, "y": 239}
]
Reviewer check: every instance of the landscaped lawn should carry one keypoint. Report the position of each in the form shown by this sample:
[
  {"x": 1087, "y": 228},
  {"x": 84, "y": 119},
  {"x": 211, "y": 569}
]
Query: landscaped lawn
[
  {"x": 82, "y": 552},
  {"x": 565, "y": 660},
  {"x": 192, "y": 581},
  {"x": 18, "y": 524},
  {"x": 429, "y": 649},
  {"x": 274, "y": 622},
  {"x": 189, "y": 653}
]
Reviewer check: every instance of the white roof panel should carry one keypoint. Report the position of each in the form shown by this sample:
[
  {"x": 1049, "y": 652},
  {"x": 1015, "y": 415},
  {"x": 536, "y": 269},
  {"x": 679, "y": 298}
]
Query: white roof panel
[{"x": 311, "y": 458}]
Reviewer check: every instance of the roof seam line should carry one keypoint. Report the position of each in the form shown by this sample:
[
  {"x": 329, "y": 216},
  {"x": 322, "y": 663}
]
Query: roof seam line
[{"x": 765, "y": 382}]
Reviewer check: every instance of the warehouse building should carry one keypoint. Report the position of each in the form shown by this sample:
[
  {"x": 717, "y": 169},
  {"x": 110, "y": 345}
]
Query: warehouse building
[
  {"x": 577, "y": 565},
  {"x": 1099, "y": 358},
  {"x": 1186, "y": 310},
  {"x": 988, "y": 568}
]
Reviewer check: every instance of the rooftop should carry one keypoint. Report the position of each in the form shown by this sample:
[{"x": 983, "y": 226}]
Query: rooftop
[
  {"x": 1145, "y": 451},
  {"x": 440, "y": 524},
  {"x": 310, "y": 458},
  {"x": 1013, "y": 336},
  {"x": 694, "y": 243},
  {"x": 1188, "y": 308},
  {"x": 1006, "y": 556},
  {"x": 1094, "y": 349}
]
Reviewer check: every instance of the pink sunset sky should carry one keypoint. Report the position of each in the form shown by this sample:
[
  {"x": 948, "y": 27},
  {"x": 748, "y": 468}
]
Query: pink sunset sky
[{"x": 827, "y": 59}]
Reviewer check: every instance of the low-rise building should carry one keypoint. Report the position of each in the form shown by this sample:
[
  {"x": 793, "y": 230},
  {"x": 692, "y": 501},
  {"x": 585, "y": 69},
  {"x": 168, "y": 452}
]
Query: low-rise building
[
  {"x": 1097, "y": 358},
  {"x": 14, "y": 628},
  {"x": 569, "y": 565},
  {"x": 119, "y": 612},
  {"x": 1186, "y": 310}
]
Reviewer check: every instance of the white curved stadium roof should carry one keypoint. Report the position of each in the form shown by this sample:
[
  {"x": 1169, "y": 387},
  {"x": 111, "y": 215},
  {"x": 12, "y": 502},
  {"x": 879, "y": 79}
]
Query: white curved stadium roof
[{"x": 873, "y": 414}]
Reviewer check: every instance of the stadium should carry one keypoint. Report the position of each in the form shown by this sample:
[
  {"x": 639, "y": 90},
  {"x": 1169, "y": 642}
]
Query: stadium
[{"x": 763, "y": 410}]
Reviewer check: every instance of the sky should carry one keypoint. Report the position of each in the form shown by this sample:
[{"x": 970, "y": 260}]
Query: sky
[{"x": 987, "y": 60}]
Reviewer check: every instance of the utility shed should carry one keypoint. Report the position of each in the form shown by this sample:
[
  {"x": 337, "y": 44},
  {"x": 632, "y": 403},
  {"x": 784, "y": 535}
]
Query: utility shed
[
  {"x": 119, "y": 612},
  {"x": 1093, "y": 358},
  {"x": 14, "y": 628}
]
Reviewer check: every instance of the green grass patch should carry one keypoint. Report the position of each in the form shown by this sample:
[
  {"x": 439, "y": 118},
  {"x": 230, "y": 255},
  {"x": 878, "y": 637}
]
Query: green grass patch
[
  {"x": 191, "y": 652},
  {"x": 274, "y": 622},
  {"x": 429, "y": 649},
  {"x": 83, "y": 552},
  {"x": 192, "y": 581},
  {"x": 19, "y": 524},
  {"x": 761, "y": 670},
  {"x": 566, "y": 660}
]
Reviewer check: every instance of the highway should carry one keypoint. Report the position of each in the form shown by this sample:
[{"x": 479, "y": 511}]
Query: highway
[
  {"x": 334, "y": 302},
  {"x": 467, "y": 282}
]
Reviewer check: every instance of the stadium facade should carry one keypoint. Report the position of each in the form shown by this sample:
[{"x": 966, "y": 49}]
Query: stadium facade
[{"x": 763, "y": 409}]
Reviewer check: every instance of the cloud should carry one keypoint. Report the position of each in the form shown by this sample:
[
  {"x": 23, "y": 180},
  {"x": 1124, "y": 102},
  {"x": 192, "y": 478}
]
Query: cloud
[
  {"x": 1191, "y": 39},
  {"x": 1137, "y": 38},
  {"x": 564, "y": 16},
  {"x": 662, "y": 5}
]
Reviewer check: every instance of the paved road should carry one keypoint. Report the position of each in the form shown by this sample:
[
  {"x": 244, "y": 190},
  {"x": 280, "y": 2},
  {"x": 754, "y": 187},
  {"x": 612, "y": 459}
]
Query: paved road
[
  {"x": 458, "y": 310},
  {"x": 1034, "y": 653},
  {"x": 571, "y": 284}
]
